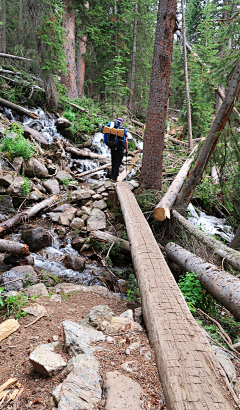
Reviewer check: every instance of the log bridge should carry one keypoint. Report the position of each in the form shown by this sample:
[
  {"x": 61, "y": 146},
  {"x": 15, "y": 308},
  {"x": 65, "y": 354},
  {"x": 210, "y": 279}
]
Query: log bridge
[{"x": 191, "y": 376}]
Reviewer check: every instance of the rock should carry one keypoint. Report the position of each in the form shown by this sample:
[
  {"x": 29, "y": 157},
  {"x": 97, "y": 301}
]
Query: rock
[
  {"x": 37, "y": 136},
  {"x": 23, "y": 273},
  {"x": 35, "y": 168},
  {"x": 45, "y": 361},
  {"x": 36, "y": 290},
  {"x": 36, "y": 238},
  {"x": 78, "y": 338},
  {"x": 110, "y": 339},
  {"x": 63, "y": 176},
  {"x": 130, "y": 367},
  {"x": 7, "y": 328},
  {"x": 74, "y": 262},
  {"x": 19, "y": 164},
  {"x": 36, "y": 310},
  {"x": 62, "y": 123},
  {"x": 147, "y": 353},
  {"x": 54, "y": 216},
  {"x": 66, "y": 218},
  {"x": 34, "y": 196},
  {"x": 101, "y": 190},
  {"x": 96, "y": 315},
  {"x": 62, "y": 208},
  {"x": 16, "y": 186},
  {"x": 10, "y": 293},
  {"x": 52, "y": 186},
  {"x": 138, "y": 316},
  {"x": 97, "y": 197},
  {"x": 207, "y": 336},
  {"x": 217, "y": 349},
  {"x": 97, "y": 220},
  {"x": 6, "y": 180},
  {"x": 227, "y": 366},
  {"x": 132, "y": 347},
  {"x": 121, "y": 322},
  {"x": 128, "y": 314},
  {"x": 55, "y": 298},
  {"x": 236, "y": 346},
  {"x": 56, "y": 394},
  {"x": 77, "y": 243},
  {"x": 100, "y": 204},
  {"x": 77, "y": 223},
  {"x": 84, "y": 194},
  {"x": 81, "y": 390},
  {"x": 6, "y": 204},
  {"x": 55, "y": 338},
  {"x": 70, "y": 287},
  {"x": 121, "y": 392}
]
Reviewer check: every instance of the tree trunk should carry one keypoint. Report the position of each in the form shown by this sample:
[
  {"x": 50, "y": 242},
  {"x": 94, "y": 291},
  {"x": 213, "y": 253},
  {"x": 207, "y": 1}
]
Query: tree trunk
[
  {"x": 24, "y": 215},
  {"x": 235, "y": 243},
  {"x": 107, "y": 237},
  {"x": 189, "y": 372},
  {"x": 69, "y": 78},
  {"x": 13, "y": 247},
  {"x": 151, "y": 173},
  {"x": 3, "y": 45},
  {"x": 20, "y": 27},
  {"x": 162, "y": 210},
  {"x": 229, "y": 255},
  {"x": 190, "y": 142},
  {"x": 81, "y": 61},
  {"x": 128, "y": 169},
  {"x": 132, "y": 81},
  {"x": 210, "y": 142},
  {"x": 17, "y": 108},
  {"x": 225, "y": 288}
]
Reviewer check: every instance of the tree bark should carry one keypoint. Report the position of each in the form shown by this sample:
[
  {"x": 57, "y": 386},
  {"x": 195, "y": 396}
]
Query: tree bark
[
  {"x": 225, "y": 288},
  {"x": 162, "y": 210},
  {"x": 210, "y": 142},
  {"x": 81, "y": 61},
  {"x": 3, "y": 45},
  {"x": 181, "y": 350},
  {"x": 151, "y": 173},
  {"x": 24, "y": 215},
  {"x": 132, "y": 81},
  {"x": 69, "y": 47},
  {"x": 20, "y": 27},
  {"x": 17, "y": 108},
  {"x": 190, "y": 142},
  {"x": 107, "y": 237},
  {"x": 85, "y": 154},
  {"x": 229, "y": 255},
  {"x": 13, "y": 247}
]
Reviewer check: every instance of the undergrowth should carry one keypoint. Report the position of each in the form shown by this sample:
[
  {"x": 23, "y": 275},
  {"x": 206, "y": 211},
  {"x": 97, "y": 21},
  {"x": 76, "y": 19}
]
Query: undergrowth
[{"x": 15, "y": 143}]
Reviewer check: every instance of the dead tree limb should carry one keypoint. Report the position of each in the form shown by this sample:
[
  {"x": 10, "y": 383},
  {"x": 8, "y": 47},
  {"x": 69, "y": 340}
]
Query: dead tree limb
[
  {"x": 175, "y": 141},
  {"x": 17, "y": 108},
  {"x": 84, "y": 154},
  {"x": 22, "y": 82},
  {"x": 179, "y": 345},
  {"x": 15, "y": 57},
  {"x": 223, "y": 286},
  {"x": 24, "y": 215},
  {"x": 107, "y": 237},
  {"x": 140, "y": 124},
  {"x": 81, "y": 108},
  {"x": 229, "y": 255},
  {"x": 210, "y": 142},
  {"x": 162, "y": 210},
  {"x": 91, "y": 171},
  {"x": 13, "y": 247}
]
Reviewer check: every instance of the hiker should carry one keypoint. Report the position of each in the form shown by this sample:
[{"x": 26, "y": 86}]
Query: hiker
[{"x": 115, "y": 137}]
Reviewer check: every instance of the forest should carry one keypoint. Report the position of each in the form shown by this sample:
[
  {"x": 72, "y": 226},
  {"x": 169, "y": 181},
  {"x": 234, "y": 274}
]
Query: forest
[{"x": 133, "y": 280}]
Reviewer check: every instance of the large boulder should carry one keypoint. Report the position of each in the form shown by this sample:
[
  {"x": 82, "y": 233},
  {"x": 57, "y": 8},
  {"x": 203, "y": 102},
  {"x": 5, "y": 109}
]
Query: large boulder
[
  {"x": 6, "y": 204},
  {"x": 6, "y": 180},
  {"x": 62, "y": 176},
  {"x": 45, "y": 361},
  {"x": 52, "y": 186},
  {"x": 16, "y": 186},
  {"x": 36, "y": 238},
  {"x": 35, "y": 168},
  {"x": 77, "y": 243},
  {"x": 36, "y": 290},
  {"x": 100, "y": 204},
  {"x": 19, "y": 164},
  {"x": 36, "y": 135},
  {"x": 62, "y": 123},
  {"x": 66, "y": 217},
  {"x": 23, "y": 274},
  {"x": 74, "y": 262},
  {"x": 77, "y": 223},
  {"x": 97, "y": 220}
]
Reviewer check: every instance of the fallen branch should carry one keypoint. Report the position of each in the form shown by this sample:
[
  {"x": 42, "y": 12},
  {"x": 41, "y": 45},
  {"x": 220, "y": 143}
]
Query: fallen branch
[
  {"x": 175, "y": 141},
  {"x": 138, "y": 123},
  {"x": 23, "y": 82},
  {"x": 107, "y": 237},
  {"x": 17, "y": 108},
  {"x": 217, "y": 324},
  {"x": 32, "y": 323},
  {"x": 84, "y": 154},
  {"x": 81, "y": 108},
  {"x": 92, "y": 171},
  {"x": 15, "y": 57},
  {"x": 7, "y": 384},
  {"x": 137, "y": 135}
]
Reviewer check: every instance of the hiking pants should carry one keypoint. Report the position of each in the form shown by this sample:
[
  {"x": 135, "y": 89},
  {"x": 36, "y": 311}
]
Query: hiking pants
[{"x": 117, "y": 157}]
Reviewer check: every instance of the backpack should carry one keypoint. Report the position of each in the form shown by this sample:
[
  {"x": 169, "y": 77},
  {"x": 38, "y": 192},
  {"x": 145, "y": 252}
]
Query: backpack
[{"x": 115, "y": 136}]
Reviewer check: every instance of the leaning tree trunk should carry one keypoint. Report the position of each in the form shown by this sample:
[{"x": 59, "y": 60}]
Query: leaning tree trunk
[
  {"x": 229, "y": 255},
  {"x": 190, "y": 142},
  {"x": 151, "y": 174},
  {"x": 81, "y": 60},
  {"x": 223, "y": 286},
  {"x": 132, "y": 81},
  {"x": 69, "y": 78},
  {"x": 210, "y": 142},
  {"x": 3, "y": 45}
]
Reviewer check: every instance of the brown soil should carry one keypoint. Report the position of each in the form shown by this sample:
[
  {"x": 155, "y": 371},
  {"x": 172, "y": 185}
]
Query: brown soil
[{"x": 15, "y": 351}]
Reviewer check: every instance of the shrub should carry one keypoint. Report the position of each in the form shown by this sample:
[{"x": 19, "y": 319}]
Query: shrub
[
  {"x": 15, "y": 143},
  {"x": 26, "y": 187}
]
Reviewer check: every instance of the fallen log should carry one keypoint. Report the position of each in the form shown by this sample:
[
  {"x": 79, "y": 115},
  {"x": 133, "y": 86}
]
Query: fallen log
[
  {"x": 223, "y": 286},
  {"x": 107, "y": 237},
  {"x": 81, "y": 108},
  {"x": 229, "y": 255},
  {"x": 127, "y": 171},
  {"x": 17, "y": 108},
  {"x": 15, "y": 57},
  {"x": 189, "y": 372},
  {"x": 84, "y": 145},
  {"x": 137, "y": 135},
  {"x": 22, "y": 82},
  {"x": 175, "y": 141},
  {"x": 162, "y": 210},
  {"x": 138, "y": 123},
  {"x": 13, "y": 247},
  {"x": 91, "y": 171},
  {"x": 24, "y": 215},
  {"x": 84, "y": 154}
]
